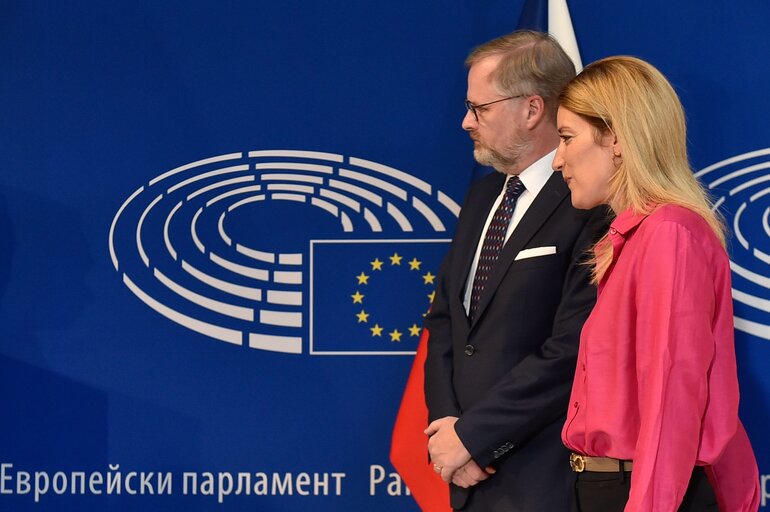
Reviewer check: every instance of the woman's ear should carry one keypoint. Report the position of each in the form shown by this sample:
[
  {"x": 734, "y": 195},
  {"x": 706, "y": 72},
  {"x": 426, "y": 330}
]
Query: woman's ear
[
  {"x": 617, "y": 153},
  {"x": 616, "y": 149}
]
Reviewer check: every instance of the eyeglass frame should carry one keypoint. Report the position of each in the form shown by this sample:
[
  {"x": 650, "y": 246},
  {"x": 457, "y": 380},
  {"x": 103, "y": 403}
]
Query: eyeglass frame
[{"x": 472, "y": 108}]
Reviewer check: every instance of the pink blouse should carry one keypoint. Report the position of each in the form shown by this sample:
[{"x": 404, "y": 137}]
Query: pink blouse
[{"x": 656, "y": 377}]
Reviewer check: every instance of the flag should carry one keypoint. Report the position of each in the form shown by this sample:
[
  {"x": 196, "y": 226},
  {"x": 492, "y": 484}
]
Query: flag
[
  {"x": 408, "y": 451},
  {"x": 409, "y": 446},
  {"x": 552, "y": 16}
]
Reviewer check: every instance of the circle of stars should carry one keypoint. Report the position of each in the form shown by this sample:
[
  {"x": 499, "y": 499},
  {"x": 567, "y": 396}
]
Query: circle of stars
[{"x": 362, "y": 280}]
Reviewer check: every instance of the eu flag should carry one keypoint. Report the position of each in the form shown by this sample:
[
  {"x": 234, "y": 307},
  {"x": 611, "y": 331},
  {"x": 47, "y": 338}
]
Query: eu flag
[{"x": 368, "y": 297}]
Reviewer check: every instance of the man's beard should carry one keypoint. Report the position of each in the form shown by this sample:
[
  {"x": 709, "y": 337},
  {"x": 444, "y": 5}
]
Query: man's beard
[{"x": 502, "y": 161}]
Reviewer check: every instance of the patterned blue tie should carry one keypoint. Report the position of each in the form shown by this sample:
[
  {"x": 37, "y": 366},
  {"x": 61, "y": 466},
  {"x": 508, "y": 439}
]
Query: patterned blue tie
[{"x": 494, "y": 240}]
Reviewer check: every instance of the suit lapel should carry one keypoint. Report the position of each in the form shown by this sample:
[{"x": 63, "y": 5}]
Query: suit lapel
[{"x": 549, "y": 198}]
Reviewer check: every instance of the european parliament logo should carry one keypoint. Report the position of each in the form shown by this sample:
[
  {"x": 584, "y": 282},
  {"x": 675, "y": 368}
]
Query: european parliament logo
[
  {"x": 740, "y": 186},
  {"x": 287, "y": 251}
]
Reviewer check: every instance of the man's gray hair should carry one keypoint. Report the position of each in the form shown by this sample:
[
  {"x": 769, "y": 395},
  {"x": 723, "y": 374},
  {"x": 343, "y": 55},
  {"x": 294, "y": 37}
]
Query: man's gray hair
[{"x": 533, "y": 63}]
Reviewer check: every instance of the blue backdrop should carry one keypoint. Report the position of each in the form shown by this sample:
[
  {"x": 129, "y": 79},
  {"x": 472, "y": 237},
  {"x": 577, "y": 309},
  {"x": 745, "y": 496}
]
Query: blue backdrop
[{"x": 220, "y": 227}]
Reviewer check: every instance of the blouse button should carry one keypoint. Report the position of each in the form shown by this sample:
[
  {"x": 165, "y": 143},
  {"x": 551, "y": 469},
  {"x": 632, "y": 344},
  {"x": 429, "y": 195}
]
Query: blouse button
[
  {"x": 613, "y": 231},
  {"x": 575, "y": 405}
]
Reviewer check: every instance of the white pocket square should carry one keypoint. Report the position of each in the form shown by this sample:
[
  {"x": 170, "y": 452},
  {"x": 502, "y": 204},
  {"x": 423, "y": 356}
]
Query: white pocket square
[{"x": 535, "y": 252}]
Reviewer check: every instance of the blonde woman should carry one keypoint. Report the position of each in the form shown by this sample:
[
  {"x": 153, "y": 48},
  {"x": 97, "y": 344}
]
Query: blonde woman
[{"x": 653, "y": 416}]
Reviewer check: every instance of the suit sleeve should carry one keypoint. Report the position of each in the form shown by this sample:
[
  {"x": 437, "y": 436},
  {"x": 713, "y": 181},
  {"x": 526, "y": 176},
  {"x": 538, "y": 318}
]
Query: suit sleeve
[
  {"x": 535, "y": 393},
  {"x": 439, "y": 391},
  {"x": 440, "y": 397}
]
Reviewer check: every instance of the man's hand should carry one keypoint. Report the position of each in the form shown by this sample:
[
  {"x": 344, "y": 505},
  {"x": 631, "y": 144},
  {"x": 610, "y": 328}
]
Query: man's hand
[
  {"x": 470, "y": 474},
  {"x": 446, "y": 450}
]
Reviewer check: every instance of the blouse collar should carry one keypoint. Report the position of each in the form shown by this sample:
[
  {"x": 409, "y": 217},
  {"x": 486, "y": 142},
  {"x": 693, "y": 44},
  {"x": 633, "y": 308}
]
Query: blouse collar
[{"x": 627, "y": 221}]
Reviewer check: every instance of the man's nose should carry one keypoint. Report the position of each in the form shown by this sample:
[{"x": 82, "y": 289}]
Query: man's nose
[{"x": 469, "y": 121}]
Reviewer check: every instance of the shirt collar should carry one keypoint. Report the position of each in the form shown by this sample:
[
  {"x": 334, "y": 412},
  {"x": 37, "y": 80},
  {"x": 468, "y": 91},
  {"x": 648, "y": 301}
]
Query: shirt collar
[
  {"x": 536, "y": 175},
  {"x": 627, "y": 221}
]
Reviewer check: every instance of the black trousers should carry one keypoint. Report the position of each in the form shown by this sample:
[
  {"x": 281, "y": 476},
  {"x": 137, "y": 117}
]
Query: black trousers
[{"x": 608, "y": 492}]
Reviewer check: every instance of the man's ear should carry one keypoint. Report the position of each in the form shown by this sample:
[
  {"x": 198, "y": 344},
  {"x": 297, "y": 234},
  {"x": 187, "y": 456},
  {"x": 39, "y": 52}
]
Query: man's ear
[{"x": 535, "y": 110}]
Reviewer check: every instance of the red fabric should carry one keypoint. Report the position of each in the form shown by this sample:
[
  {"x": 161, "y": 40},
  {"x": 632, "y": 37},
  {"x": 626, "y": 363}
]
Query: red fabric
[{"x": 409, "y": 446}]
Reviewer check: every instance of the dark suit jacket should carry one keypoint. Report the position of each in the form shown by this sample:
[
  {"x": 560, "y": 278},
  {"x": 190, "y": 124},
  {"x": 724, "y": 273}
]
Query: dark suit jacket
[{"x": 507, "y": 375}]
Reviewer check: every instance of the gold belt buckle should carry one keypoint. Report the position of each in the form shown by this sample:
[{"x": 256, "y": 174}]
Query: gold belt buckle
[{"x": 577, "y": 463}]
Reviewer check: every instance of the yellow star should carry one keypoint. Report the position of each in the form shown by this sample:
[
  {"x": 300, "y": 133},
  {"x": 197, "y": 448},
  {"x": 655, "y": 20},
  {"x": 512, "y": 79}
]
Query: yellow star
[
  {"x": 415, "y": 264},
  {"x": 396, "y": 259},
  {"x": 363, "y": 316},
  {"x": 362, "y": 278},
  {"x": 376, "y": 264},
  {"x": 376, "y": 330},
  {"x": 428, "y": 278},
  {"x": 431, "y": 296},
  {"x": 358, "y": 298},
  {"x": 395, "y": 335},
  {"x": 414, "y": 330}
]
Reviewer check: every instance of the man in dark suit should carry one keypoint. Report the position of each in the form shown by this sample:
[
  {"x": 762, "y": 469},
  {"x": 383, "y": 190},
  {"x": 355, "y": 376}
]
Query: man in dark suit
[{"x": 512, "y": 295}]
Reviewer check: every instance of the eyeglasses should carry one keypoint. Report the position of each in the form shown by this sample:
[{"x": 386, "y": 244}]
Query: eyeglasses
[{"x": 474, "y": 108}]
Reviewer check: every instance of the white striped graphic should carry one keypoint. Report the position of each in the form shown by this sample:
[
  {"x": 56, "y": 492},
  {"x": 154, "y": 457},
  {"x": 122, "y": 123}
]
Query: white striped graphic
[{"x": 741, "y": 189}]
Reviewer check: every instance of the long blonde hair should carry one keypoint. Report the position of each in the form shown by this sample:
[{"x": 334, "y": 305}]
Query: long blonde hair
[{"x": 631, "y": 99}]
